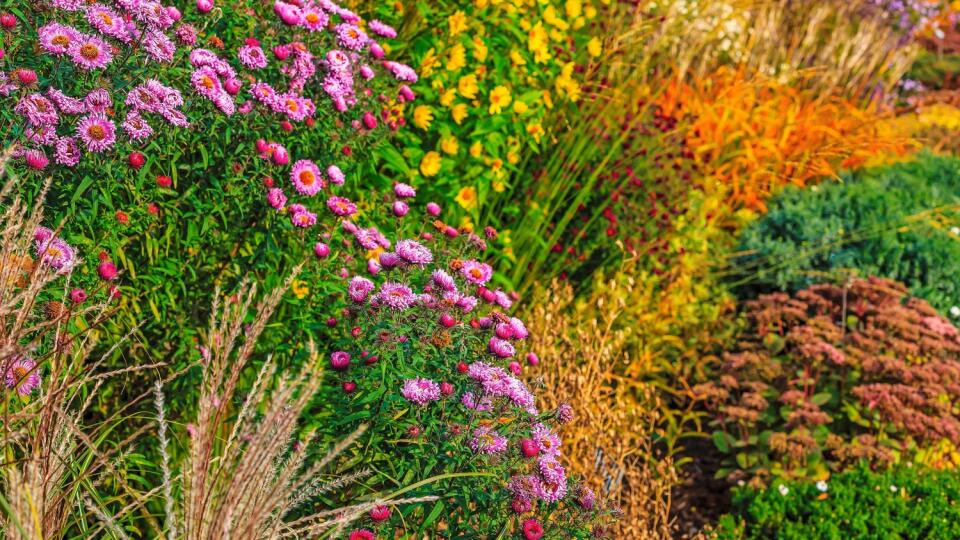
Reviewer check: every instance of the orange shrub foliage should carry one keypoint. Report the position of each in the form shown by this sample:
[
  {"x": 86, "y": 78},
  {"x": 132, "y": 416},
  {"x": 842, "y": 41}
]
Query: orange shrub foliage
[{"x": 753, "y": 135}]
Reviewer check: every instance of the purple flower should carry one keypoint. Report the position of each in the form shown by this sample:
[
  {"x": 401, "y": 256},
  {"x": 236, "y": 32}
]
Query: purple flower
[
  {"x": 414, "y": 252},
  {"x": 476, "y": 272},
  {"x": 67, "y": 151},
  {"x": 351, "y": 36},
  {"x": 90, "y": 52},
  {"x": 381, "y": 29},
  {"x": 306, "y": 177},
  {"x": 303, "y": 219},
  {"x": 359, "y": 289},
  {"x": 252, "y": 57},
  {"x": 55, "y": 38},
  {"x": 404, "y": 190},
  {"x": 341, "y": 206},
  {"x": 487, "y": 441},
  {"x": 420, "y": 391},
  {"x": 396, "y": 296},
  {"x": 551, "y": 470},
  {"x": 97, "y": 133},
  {"x": 336, "y": 175},
  {"x": 546, "y": 439},
  {"x": 276, "y": 198},
  {"x": 501, "y": 347},
  {"x": 443, "y": 280},
  {"x": 22, "y": 374},
  {"x": 136, "y": 127}
]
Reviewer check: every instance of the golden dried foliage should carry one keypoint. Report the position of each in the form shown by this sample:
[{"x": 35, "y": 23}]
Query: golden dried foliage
[{"x": 610, "y": 441}]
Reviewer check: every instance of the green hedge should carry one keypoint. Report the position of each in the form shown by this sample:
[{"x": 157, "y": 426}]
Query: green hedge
[
  {"x": 858, "y": 504},
  {"x": 892, "y": 222}
]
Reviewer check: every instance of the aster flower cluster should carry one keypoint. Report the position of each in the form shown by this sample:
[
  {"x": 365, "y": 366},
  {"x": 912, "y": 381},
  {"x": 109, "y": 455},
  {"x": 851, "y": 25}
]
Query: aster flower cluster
[
  {"x": 90, "y": 42},
  {"x": 427, "y": 326}
]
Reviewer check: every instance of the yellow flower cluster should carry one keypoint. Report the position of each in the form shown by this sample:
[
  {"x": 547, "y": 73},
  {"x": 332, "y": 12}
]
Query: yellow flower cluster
[{"x": 491, "y": 72}]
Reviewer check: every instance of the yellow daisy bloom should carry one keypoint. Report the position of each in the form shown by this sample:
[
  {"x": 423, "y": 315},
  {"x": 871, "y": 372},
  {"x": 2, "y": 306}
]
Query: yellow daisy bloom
[
  {"x": 535, "y": 130},
  {"x": 519, "y": 107},
  {"x": 479, "y": 49},
  {"x": 449, "y": 145},
  {"x": 499, "y": 98},
  {"x": 457, "y": 23},
  {"x": 467, "y": 85},
  {"x": 447, "y": 98},
  {"x": 422, "y": 116},
  {"x": 595, "y": 47},
  {"x": 456, "y": 58},
  {"x": 573, "y": 8},
  {"x": 430, "y": 164},
  {"x": 467, "y": 198},
  {"x": 459, "y": 112},
  {"x": 476, "y": 149}
]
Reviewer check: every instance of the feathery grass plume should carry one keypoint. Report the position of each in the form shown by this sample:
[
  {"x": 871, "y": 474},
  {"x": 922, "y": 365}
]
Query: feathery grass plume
[
  {"x": 610, "y": 441},
  {"x": 246, "y": 470},
  {"x": 54, "y": 460}
]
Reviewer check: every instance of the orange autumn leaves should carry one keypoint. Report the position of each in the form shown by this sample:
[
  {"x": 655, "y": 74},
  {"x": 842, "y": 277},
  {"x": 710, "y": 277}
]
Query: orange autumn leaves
[{"x": 752, "y": 135}]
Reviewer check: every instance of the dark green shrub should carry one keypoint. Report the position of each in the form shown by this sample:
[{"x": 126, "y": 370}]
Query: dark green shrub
[
  {"x": 858, "y": 504},
  {"x": 893, "y": 222}
]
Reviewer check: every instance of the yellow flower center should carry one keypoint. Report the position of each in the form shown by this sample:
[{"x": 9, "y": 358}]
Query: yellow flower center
[
  {"x": 106, "y": 18},
  {"x": 307, "y": 178},
  {"x": 96, "y": 132},
  {"x": 89, "y": 51},
  {"x": 312, "y": 18},
  {"x": 207, "y": 82}
]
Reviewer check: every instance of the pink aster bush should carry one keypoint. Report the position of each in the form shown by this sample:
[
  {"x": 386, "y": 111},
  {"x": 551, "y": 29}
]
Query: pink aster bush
[{"x": 426, "y": 351}]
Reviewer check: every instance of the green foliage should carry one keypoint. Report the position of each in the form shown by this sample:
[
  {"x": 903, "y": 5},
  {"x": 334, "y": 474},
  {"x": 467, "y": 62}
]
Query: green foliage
[
  {"x": 906, "y": 503},
  {"x": 894, "y": 222}
]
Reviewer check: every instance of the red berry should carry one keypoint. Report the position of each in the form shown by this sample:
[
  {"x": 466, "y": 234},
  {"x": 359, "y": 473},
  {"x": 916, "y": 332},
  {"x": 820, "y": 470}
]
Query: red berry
[
  {"x": 349, "y": 387},
  {"x": 331, "y": 322},
  {"x": 355, "y": 332},
  {"x": 122, "y": 217},
  {"x": 267, "y": 181},
  {"x": 107, "y": 270},
  {"x": 462, "y": 366},
  {"x": 371, "y": 360},
  {"x": 286, "y": 126},
  {"x": 164, "y": 181},
  {"x": 446, "y": 388},
  {"x": 310, "y": 122},
  {"x": 447, "y": 320},
  {"x": 532, "y": 359},
  {"x": 153, "y": 208},
  {"x": 252, "y": 41}
]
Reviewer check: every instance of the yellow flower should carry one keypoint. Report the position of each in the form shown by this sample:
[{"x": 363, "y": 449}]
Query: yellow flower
[
  {"x": 550, "y": 15},
  {"x": 513, "y": 157},
  {"x": 447, "y": 98},
  {"x": 535, "y": 130},
  {"x": 467, "y": 198},
  {"x": 422, "y": 116},
  {"x": 517, "y": 58},
  {"x": 430, "y": 164},
  {"x": 480, "y": 3},
  {"x": 547, "y": 100},
  {"x": 459, "y": 112},
  {"x": 519, "y": 107},
  {"x": 467, "y": 85},
  {"x": 499, "y": 98},
  {"x": 538, "y": 43},
  {"x": 479, "y": 49},
  {"x": 573, "y": 8},
  {"x": 476, "y": 149},
  {"x": 456, "y": 58},
  {"x": 496, "y": 165},
  {"x": 300, "y": 289},
  {"x": 449, "y": 145},
  {"x": 590, "y": 12},
  {"x": 466, "y": 224},
  {"x": 457, "y": 23},
  {"x": 428, "y": 63},
  {"x": 595, "y": 47},
  {"x": 498, "y": 186}
]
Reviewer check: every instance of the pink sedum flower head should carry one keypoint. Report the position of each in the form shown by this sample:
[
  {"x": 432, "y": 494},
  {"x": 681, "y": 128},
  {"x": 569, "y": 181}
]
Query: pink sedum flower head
[
  {"x": 477, "y": 272},
  {"x": 23, "y": 375},
  {"x": 306, "y": 177},
  {"x": 420, "y": 391}
]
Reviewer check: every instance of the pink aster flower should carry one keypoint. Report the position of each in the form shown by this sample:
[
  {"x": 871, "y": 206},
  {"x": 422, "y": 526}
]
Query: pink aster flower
[
  {"x": 22, "y": 374},
  {"x": 551, "y": 469},
  {"x": 414, "y": 252},
  {"x": 66, "y": 104},
  {"x": 59, "y": 255},
  {"x": 159, "y": 47},
  {"x": 470, "y": 401},
  {"x": 67, "y": 151},
  {"x": 549, "y": 491},
  {"x": 252, "y": 57},
  {"x": 55, "y": 38},
  {"x": 97, "y": 133},
  {"x": 401, "y": 72},
  {"x": 351, "y": 36},
  {"x": 359, "y": 289},
  {"x": 341, "y": 206},
  {"x": 487, "y": 441},
  {"x": 546, "y": 439},
  {"x": 336, "y": 175},
  {"x": 396, "y": 296},
  {"x": 186, "y": 34},
  {"x": 443, "y": 280},
  {"x": 382, "y": 29},
  {"x": 38, "y": 110},
  {"x": 303, "y": 218},
  {"x": 306, "y": 177},
  {"x": 98, "y": 101},
  {"x": 90, "y": 52},
  {"x": 420, "y": 391},
  {"x": 207, "y": 83},
  {"x": 404, "y": 190},
  {"x": 477, "y": 272},
  {"x": 276, "y": 198},
  {"x": 314, "y": 19},
  {"x": 108, "y": 22},
  {"x": 136, "y": 127}
]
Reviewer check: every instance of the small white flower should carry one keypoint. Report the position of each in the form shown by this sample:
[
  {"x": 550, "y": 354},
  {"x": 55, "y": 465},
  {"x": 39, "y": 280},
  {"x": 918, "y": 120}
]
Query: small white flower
[
  {"x": 783, "y": 490},
  {"x": 955, "y": 311},
  {"x": 893, "y": 489},
  {"x": 955, "y": 230},
  {"x": 822, "y": 486}
]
